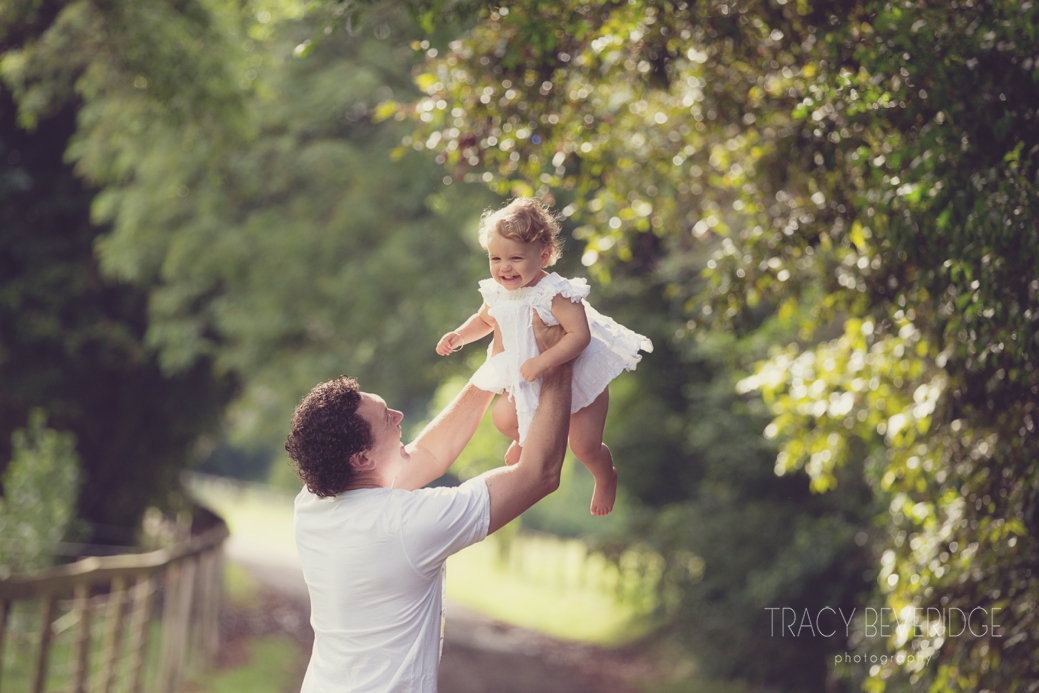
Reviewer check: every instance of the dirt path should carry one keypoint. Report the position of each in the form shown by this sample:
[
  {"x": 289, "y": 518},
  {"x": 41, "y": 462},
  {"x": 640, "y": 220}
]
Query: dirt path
[{"x": 481, "y": 655}]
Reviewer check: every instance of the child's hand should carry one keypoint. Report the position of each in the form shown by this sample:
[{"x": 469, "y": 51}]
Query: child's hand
[
  {"x": 452, "y": 341},
  {"x": 531, "y": 370}
]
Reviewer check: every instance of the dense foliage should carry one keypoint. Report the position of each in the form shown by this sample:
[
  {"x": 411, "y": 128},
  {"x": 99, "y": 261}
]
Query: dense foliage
[
  {"x": 41, "y": 483},
  {"x": 299, "y": 250},
  {"x": 864, "y": 171},
  {"x": 248, "y": 221},
  {"x": 73, "y": 342}
]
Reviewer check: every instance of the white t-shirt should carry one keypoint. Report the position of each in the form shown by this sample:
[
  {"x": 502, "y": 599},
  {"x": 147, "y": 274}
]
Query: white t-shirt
[{"x": 373, "y": 560}]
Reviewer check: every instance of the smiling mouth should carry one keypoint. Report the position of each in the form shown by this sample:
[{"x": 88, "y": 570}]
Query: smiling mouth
[{"x": 510, "y": 278}]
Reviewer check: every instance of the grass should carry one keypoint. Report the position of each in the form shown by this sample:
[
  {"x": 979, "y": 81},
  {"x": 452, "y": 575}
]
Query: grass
[
  {"x": 272, "y": 665},
  {"x": 548, "y": 585},
  {"x": 21, "y": 647},
  {"x": 240, "y": 588}
]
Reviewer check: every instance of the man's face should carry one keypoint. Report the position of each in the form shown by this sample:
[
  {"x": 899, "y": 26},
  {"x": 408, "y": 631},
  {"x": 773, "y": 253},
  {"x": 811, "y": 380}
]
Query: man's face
[{"x": 387, "y": 450}]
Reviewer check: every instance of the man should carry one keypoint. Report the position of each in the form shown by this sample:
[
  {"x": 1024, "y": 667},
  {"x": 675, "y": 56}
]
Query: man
[{"x": 373, "y": 542}]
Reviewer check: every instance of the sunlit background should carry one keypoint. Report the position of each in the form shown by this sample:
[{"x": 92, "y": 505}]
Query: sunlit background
[{"x": 822, "y": 213}]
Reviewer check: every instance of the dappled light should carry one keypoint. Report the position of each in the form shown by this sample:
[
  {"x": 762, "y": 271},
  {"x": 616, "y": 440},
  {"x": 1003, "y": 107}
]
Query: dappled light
[{"x": 822, "y": 214}]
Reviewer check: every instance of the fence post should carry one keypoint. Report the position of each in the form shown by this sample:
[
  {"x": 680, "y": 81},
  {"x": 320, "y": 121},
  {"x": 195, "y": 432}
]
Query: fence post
[
  {"x": 187, "y": 587},
  {"x": 144, "y": 588},
  {"x": 171, "y": 583},
  {"x": 177, "y": 616},
  {"x": 206, "y": 623},
  {"x": 116, "y": 604},
  {"x": 46, "y": 633},
  {"x": 81, "y": 648},
  {"x": 197, "y": 656},
  {"x": 218, "y": 596},
  {"x": 189, "y": 620},
  {"x": 5, "y": 609}
]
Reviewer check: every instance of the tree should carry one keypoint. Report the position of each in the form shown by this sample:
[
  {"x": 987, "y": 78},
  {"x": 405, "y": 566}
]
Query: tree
[
  {"x": 71, "y": 340},
  {"x": 288, "y": 248},
  {"x": 246, "y": 216},
  {"x": 864, "y": 168},
  {"x": 737, "y": 540},
  {"x": 40, "y": 487}
]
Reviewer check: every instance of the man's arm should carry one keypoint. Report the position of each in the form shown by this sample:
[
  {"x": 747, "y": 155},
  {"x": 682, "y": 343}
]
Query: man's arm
[
  {"x": 514, "y": 489},
  {"x": 440, "y": 443}
]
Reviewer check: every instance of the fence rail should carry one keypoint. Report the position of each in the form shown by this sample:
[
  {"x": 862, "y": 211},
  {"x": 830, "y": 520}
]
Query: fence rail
[{"x": 136, "y": 623}]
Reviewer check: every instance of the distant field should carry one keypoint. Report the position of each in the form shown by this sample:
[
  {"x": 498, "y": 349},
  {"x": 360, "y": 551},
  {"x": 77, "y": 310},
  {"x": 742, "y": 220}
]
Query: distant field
[
  {"x": 252, "y": 511},
  {"x": 549, "y": 585},
  {"x": 539, "y": 582}
]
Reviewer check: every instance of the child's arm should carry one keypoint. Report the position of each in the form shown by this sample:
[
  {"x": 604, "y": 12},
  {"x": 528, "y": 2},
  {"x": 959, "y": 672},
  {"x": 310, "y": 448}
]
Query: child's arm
[
  {"x": 572, "y": 318},
  {"x": 479, "y": 324}
]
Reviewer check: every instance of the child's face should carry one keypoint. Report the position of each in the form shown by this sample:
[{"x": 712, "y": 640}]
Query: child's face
[{"x": 515, "y": 264}]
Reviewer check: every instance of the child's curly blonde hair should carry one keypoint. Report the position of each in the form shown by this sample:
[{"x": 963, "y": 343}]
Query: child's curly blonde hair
[{"x": 525, "y": 219}]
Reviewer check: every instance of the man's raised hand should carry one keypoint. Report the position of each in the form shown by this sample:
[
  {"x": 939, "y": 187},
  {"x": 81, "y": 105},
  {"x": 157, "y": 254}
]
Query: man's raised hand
[{"x": 546, "y": 336}]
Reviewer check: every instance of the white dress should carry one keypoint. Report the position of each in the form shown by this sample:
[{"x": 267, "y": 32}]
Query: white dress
[{"x": 613, "y": 349}]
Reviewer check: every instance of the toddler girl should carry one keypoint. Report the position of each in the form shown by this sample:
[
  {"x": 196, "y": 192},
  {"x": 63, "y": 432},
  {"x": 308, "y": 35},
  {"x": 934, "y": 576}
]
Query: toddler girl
[{"x": 521, "y": 240}]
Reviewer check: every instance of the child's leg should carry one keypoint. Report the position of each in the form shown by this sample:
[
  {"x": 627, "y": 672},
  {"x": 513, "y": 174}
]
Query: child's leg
[
  {"x": 586, "y": 427},
  {"x": 504, "y": 417}
]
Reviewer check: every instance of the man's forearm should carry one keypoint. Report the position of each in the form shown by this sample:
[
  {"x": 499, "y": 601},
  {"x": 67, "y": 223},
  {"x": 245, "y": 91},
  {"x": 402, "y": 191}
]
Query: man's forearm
[
  {"x": 444, "y": 438},
  {"x": 514, "y": 489},
  {"x": 551, "y": 425},
  {"x": 546, "y": 443}
]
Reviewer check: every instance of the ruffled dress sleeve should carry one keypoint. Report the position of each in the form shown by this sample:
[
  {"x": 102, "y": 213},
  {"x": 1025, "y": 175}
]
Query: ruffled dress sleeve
[
  {"x": 554, "y": 285},
  {"x": 490, "y": 290}
]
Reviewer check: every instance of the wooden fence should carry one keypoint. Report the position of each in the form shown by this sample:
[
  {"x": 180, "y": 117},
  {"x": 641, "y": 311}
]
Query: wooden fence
[{"x": 136, "y": 623}]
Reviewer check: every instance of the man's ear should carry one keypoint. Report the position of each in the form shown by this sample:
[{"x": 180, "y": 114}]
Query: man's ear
[{"x": 362, "y": 462}]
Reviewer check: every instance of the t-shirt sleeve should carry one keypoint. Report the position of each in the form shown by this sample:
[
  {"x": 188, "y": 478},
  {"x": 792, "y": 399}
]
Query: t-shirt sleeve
[{"x": 437, "y": 522}]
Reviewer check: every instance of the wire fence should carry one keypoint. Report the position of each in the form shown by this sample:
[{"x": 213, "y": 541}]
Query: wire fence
[{"x": 134, "y": 623}]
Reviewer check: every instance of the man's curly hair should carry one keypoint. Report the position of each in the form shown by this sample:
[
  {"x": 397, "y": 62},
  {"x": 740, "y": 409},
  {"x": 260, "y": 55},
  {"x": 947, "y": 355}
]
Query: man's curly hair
[{"x": 326, "y": 432}]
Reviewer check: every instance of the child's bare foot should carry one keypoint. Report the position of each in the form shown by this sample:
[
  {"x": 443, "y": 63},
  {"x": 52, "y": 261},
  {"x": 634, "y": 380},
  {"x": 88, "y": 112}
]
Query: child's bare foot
[
  {"x": 512, "y": 455},
  {"x": 605, "y": 493}
]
